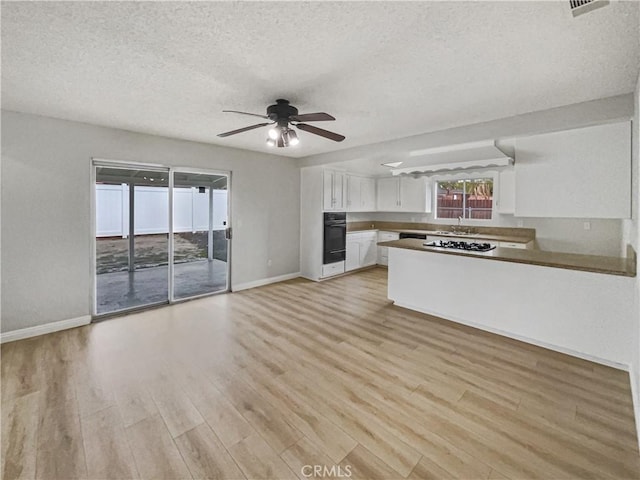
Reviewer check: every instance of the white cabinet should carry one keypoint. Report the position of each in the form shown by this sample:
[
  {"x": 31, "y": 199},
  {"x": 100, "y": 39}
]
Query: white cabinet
[
  {"x": 360, "y": 194},
  {"x": 361, "y": 250},
  {"x": 333, "y": 190},
  {"x": 353, "y": 252},
  {"x": 581, "y": 173},
  {"x": 367, "y": 194},
  {"x": 388, "y": 194},
  {"x": 413, "y": 194},
  {"x": 403, "y": 194},
  {"x": 383, "y": 252},
  {"x": 368, "y": 249},
  {"x": 352, "y": 193},
  {"x": 506, "y": 192},
  {"x": 332, "y": 269}
]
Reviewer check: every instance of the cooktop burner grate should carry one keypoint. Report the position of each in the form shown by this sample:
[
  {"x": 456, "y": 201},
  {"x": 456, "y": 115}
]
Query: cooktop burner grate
[{"x": 472, "y": 247}]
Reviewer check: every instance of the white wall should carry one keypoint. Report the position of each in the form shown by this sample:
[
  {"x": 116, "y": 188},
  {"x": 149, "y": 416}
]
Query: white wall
[
  {"x": 631, "y": 235},
  {"x": 46, "y": 231}
]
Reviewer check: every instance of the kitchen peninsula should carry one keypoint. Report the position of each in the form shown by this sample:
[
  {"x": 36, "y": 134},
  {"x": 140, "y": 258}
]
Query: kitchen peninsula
[{"x": 576, "y": 304}]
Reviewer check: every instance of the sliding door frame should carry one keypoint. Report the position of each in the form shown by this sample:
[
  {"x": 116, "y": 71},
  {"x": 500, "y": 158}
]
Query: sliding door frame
[
  {"x": 201, "y": 171},
  {"x": 123, "y": 164}
]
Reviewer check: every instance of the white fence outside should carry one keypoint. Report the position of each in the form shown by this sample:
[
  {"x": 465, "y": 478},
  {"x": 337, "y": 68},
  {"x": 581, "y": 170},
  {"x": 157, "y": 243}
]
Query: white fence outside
[{"x": 190, "y": 210}]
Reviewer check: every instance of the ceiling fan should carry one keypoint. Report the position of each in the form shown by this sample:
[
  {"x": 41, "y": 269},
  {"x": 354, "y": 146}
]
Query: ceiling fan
[{"x": 282, "y": 115}]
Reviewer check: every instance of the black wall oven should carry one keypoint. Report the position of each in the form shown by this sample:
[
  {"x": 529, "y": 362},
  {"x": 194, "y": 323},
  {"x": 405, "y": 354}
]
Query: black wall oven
[{"x": 335, "y": 237}]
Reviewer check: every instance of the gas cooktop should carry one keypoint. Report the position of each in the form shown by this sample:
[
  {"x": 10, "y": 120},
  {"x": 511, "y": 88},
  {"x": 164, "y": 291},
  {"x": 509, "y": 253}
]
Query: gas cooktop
[{"x": 473, "y": 246}]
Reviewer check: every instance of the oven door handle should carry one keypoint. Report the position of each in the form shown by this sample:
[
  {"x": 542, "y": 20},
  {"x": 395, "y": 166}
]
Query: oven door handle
[
  {"x": 338, "y": 251},
  {"x": 338, "y": 225}
]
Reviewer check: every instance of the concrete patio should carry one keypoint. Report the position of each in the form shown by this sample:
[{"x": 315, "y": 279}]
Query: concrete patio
[{"x": 122, "y": 290}]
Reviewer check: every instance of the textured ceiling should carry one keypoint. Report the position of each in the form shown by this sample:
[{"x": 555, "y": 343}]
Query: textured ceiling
[{"x": 385, "y": 70}]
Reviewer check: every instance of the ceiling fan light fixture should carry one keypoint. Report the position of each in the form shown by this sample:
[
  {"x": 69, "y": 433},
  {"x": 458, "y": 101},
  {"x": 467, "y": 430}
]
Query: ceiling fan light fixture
[
  {"x": 282, "y": 115},
  {"x": 273, "y": 133},
  {"x": 291, "y": 138}
]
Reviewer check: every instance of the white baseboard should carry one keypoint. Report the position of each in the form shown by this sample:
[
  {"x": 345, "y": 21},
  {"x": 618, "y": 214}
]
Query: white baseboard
[
  {"x": 550, "y": 346},
  {"x": 264, "y": 281},
  {"x": 43, "y": 329},
  {"x": 636, "y": 401}
]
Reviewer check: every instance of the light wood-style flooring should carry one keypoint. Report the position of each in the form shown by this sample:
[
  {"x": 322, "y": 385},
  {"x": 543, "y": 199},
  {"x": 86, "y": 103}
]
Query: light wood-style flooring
[{"x": 260, "y": 383}]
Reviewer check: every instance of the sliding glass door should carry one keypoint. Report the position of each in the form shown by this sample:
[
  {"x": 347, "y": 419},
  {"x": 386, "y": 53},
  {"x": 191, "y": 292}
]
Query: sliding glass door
[
  {"x": 132, "y": 241},
  {"x": 200, "y": 246},
  {"x": 160, "y": 235}
]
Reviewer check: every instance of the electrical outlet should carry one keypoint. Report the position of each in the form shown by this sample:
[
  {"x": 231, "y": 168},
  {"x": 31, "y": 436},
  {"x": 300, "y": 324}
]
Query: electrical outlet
[{"x": 586, "y": 225}]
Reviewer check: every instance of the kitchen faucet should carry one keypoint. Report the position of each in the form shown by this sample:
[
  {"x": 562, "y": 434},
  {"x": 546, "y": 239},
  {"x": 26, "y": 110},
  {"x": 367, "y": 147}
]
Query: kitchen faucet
[{"x": 460, "y": 221}]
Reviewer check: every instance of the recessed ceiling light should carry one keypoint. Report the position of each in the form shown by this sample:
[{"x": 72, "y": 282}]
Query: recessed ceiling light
[{"x": 392, "y": 164}]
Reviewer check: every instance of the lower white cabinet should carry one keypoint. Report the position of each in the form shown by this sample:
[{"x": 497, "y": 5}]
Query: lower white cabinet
[
  {"x": 368, "y": 249},
  {"x": 353, "y": 252},
  {"x": 332, "y": 269},
  {"x": 383, "y": 252},
  {"x": 361, "y": 250}
]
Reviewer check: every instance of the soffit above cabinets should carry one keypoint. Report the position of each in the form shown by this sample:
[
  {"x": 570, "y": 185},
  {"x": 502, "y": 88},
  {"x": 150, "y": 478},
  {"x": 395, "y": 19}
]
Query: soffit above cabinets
[{"x": 454, "y": 157}]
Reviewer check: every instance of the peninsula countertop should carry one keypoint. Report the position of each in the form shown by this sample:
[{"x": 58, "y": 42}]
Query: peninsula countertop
[{"x": 623, "y": 266}]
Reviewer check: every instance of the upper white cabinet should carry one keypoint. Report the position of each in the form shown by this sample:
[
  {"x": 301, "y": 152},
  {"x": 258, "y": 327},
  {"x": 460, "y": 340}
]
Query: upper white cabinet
[
  {"x": 368, "y": 194},
  {"x": 506, "y": 192},
  {"x": 581, "y": 173},
  {"x": 414, "y": 195},
  {"x": 403, "y": 194},
  {"x": 333, "y": 190},
  {"x": 388, "y": 196},
  {"x": 360, "y": 193}
]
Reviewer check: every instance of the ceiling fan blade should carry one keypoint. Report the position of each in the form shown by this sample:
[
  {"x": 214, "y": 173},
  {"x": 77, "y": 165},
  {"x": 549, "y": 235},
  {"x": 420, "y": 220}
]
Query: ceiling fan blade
[
  {"x": 245, "y": 113},
  {"x": 245, "y": 129},
  {"x": 312, "y": 117},
  {"x": 336, "y": 137}
]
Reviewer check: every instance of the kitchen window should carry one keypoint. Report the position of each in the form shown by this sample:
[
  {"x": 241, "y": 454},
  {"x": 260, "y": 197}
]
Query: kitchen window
[{"x": 466, "y": 198}]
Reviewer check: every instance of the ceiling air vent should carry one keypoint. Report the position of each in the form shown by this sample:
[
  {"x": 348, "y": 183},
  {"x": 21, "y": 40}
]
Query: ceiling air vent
[{"x": 578, "y": 7}]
